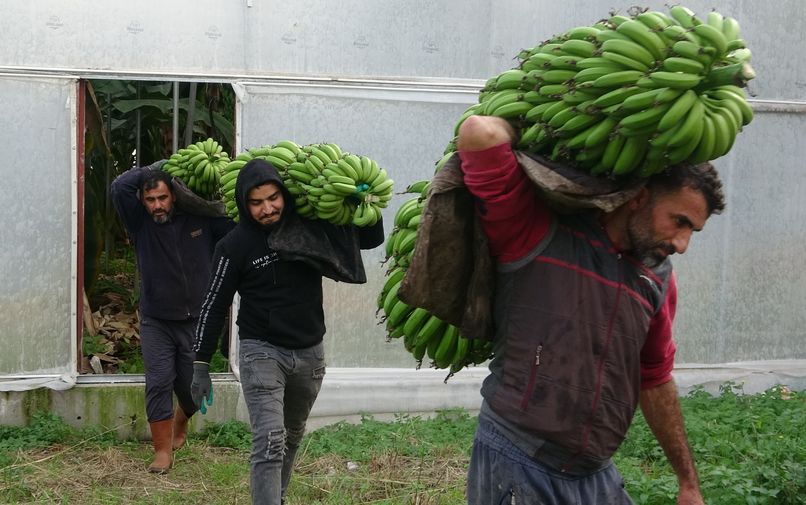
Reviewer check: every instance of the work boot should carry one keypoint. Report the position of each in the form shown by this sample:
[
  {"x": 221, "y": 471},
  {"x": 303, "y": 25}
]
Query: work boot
[
  {"x": 161, "y": 437},
  {"x": 180, "y": 428}
]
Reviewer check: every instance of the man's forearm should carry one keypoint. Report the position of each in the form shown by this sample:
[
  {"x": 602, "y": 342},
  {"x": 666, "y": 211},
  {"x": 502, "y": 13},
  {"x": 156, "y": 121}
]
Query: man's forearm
[{"x": 661, "y": 408}]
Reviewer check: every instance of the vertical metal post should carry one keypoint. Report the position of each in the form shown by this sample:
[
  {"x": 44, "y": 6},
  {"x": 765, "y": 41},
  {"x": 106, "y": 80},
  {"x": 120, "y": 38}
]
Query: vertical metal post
[
  {"x": 191, "y": 113},
  {"x": 175, "y": 136},
  {"x": 107, "y": 182},
  {"x": 137, "y": 133}
]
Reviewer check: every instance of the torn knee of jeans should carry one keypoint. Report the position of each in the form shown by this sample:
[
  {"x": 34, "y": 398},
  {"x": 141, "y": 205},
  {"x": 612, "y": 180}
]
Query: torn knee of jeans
[
  {"x": 275, "y": 449},
  {"x": 318, "y": 373}
]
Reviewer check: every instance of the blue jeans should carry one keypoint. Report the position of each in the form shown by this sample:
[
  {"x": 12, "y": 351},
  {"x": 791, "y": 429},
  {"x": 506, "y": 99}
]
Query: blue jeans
[
  {"x": 280, "y": 386},
  {"x": 167, "y": 348},
  {"x": 502, "y": 474}
]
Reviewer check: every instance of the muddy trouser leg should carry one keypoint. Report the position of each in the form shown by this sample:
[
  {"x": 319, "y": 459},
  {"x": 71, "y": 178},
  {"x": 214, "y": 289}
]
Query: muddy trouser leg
[
  {"x": 265, "y": 372},
  {"x": 502, "y": 474},
  {"x": 159, "y": 351}
]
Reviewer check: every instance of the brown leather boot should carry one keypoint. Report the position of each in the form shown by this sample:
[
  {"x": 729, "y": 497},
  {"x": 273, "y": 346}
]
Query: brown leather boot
[
  {"x": 161, "y": 438},
  {"x": 180, "y": 428}
]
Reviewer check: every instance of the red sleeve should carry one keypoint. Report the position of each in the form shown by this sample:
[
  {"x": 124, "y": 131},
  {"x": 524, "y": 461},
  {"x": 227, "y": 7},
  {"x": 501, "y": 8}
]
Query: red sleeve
[
  {"x": 657, "y": 355},
  {"x": 514, "y": 219}
]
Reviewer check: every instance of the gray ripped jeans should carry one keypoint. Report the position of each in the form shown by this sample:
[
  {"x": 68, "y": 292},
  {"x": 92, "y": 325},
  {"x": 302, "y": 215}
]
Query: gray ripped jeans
[{"x": 280, "y": 386}]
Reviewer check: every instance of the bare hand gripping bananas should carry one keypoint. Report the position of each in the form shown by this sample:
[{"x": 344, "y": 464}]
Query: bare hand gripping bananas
[{"x": 580, "y": 95}]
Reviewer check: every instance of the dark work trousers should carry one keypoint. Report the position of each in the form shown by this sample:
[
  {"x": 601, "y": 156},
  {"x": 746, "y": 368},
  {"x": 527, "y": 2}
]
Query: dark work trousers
[
  {"x": 501, "y": 474},
  {"x": 279, "y": 386},
  {"x": 168, "y": 359}
]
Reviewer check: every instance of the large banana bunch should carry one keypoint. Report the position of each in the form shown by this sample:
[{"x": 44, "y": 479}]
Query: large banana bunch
[
  {"x": 326, "y": 182},
  {"x": 629, "y": 95},
  {"x": 200, "y": 166},
  {"x": 423, "y": 333}
]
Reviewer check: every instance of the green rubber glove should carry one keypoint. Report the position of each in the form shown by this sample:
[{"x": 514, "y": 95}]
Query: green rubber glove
[{"x": 201, "y": 388}]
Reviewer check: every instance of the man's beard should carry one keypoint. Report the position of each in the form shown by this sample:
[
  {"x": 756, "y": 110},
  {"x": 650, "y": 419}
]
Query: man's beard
[
  {"x": 650, "y": 252},
  {"x": 162, "y": 218}
]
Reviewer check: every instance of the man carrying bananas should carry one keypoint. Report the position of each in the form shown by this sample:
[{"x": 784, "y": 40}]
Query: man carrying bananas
[
  {"x": 174, "y": 249},
  {"x": 584, "y": 309},
  {"x": 275, "y": 259}
]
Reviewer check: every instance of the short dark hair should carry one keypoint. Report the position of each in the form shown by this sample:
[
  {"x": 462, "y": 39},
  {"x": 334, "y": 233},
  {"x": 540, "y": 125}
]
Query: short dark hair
[
  {"x": 701, "y": 177},
  {"x": 152, "y": 178}
]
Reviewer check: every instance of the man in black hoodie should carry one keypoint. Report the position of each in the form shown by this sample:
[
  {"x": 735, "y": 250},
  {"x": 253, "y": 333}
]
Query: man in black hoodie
[
  {"x": 275, "y": 260},
  {"x": 174, "y": 249}
]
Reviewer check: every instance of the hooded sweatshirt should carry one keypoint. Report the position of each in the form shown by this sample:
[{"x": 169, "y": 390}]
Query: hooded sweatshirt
[{"x": 278, "y": 270}]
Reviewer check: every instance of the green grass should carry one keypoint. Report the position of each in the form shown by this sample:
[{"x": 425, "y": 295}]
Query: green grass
[{"x": 750, "y": 449}]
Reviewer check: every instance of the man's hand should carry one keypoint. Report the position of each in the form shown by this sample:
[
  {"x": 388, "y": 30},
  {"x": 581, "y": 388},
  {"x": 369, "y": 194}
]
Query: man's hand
[
  {"x": 201, "y": 388},
  {"x": 478, "y": 133},
  {"x": 661, "y": 408}
]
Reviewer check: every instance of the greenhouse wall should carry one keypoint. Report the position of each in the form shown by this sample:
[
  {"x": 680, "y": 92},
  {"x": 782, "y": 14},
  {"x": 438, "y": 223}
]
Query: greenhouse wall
[{"x": 387, "y": 80}]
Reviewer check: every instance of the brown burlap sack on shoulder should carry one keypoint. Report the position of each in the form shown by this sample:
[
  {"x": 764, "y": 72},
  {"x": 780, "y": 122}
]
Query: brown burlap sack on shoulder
[
  {"x": 452, "y": 274},
  {"x": 192, "y": 203}
]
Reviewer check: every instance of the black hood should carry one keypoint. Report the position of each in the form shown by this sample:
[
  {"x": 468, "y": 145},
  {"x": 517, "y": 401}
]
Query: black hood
[{"x": 256, "y": 173}]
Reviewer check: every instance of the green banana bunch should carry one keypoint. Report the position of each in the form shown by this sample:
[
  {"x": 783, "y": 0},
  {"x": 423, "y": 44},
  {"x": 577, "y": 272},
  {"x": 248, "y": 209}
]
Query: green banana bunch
[
  {"x": 200, "y": 166},
  {"x": 423, "y": 334},
  {"x": 605, "y": 97},
  {"x": 326, "y": 182}
]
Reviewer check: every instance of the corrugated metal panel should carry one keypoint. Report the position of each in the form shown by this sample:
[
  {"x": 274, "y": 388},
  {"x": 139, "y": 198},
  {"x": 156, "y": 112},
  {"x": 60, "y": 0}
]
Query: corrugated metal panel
[
  {"x": 36, "y": 251},
  {"x": 470, "y": 39}
]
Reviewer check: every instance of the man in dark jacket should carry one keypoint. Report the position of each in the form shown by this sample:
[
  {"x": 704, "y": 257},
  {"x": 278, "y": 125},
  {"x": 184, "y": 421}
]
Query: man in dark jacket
[
  {"x": 584, "y": 306},
  {"x": 275, "y": 260},
  {"x": 174, "y": 251}
]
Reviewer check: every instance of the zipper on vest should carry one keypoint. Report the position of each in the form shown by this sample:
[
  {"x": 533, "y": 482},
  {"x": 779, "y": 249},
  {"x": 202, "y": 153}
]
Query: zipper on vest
[
  {"x": 532, "y": 378},
  {"x": 586, "y": 430}
]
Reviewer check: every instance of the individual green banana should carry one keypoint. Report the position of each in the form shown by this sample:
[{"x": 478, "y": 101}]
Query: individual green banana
[
  {"x": 577, "y": 47},
  {"x": 601, "y": 132},
  {"x": 415, "y": 321},
  {"x": 447, "y": 347},
  {"x": 618, "y": 79},
  {"x": 678, "y": 110},
  {"x": 612, "y": 151},
  {"x": 581, "y": 33},
  {"x": 642, "y": 100},
  {"x": 713, "y": 36},
  {"x": 509, "y": 79},
  {"x": 510, "y": 110},
  {"x": 500, "y": 98},
  {"x": 617, "y": 96},
  {"x": 647, "y": 38},
  {"x": 645, "y": 118},
  {"x": 631, "y": 50},
  {"x": 694, "y": 51},
  {"x": 624, "y": 61},
  {"x": 683, "y": 16},
  {"x": 631, "y": 155},
  {"x": 677, "y": 80},
  {"x": 691, "y": 127},
  {"x": 681, "y": 64},
  {"x": 705, "y": 148},
  {"x": 730, "y": 29}
]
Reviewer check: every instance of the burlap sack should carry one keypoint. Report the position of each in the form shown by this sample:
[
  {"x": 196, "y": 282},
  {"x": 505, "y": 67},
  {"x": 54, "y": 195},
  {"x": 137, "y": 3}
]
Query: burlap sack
[
  {"x": 192, "y": 203},
  {"x": 452, "y": 274}
]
